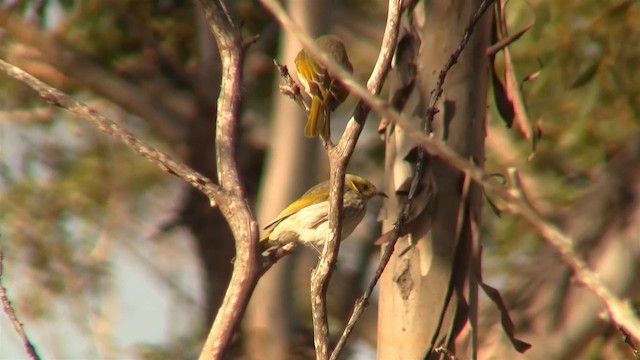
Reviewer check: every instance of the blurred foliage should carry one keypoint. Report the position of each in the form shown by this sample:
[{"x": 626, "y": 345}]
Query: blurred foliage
[
  {"x": 53, "y": 198},
  {"x": 113, "y": 29},
  {"x": 586, "y": 100},
  {"x": 582, "y": 126}
]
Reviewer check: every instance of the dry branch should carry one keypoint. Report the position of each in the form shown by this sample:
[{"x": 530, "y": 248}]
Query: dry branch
[
  {"x": 237, "y": 212},
  {"x": 165, "y": 162},
  {"x": 292, "y": 88}
]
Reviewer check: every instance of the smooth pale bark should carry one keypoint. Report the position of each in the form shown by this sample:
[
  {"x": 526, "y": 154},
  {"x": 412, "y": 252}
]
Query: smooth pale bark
[
  {"x": 290, "y": 170},
  {"x": 414, "y": 286}
]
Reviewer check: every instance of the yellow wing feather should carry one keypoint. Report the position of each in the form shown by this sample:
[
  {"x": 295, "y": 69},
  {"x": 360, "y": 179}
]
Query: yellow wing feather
[{"x": 316, "y": 194}]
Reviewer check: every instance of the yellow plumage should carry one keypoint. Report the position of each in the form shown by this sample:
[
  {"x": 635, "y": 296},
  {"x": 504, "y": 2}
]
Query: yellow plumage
[{"x": 325, "y": 91}]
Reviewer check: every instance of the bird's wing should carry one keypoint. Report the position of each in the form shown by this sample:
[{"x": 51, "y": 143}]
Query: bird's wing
[
  {"x": 312, "y": 196},
  {"x": 314, "y": 76}
]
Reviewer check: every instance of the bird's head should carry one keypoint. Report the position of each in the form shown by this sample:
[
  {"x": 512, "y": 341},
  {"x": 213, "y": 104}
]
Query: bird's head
[{"x": 363, "y": 186}]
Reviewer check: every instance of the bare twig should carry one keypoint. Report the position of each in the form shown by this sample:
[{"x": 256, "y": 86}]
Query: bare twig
[
  {"x": 230, "y": 200},
  {"x": 292, "y": 89},
  {"x": 339, "y": 157},
  {"x": 237, "y": 211},
  {"x": 453, "y": 59},
  {"x": 621, "y": 311},
  {"x": 17, "y": 325},
  {"x": 508, "y": 40}
]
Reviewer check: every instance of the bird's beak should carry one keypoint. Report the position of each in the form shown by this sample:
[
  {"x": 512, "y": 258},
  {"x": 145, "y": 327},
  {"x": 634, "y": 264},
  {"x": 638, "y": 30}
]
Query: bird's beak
[{"x": 380, "y": 193}]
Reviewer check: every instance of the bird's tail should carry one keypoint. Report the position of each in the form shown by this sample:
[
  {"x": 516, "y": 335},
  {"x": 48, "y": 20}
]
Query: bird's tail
[{"x": 318, "y": 122}]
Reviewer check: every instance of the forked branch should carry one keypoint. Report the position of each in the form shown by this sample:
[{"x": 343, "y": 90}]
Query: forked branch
[{"x": 238, "y": 214}]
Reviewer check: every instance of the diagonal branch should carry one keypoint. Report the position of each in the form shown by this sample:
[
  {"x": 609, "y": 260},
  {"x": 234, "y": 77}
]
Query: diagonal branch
[
  {"x": 8, "y": 309},
  {"x": 110, "y": 127},
  {"x": 453, "y": 59},
  {"x": 339, "y": 156}
]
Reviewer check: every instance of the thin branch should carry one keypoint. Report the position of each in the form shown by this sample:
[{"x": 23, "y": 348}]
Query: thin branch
[
  {"x": 241, "y": 220},
  {"x": 165, "y": 162},
  {"x": 233, "y": 205},
  {"x": 453, "y": 59},
  {"x": 339, "y": 157},
  {"x": 621, "y": 312},
  {"x": 292, "y": 88},
  {"x": 508, "y": 40},
  {"x": 11, "y": 314},
  {"x": 231, "y": 49}
]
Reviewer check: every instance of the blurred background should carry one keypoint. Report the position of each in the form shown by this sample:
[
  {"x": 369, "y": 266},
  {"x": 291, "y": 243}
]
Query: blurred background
[{"x": 106, "y": 256}]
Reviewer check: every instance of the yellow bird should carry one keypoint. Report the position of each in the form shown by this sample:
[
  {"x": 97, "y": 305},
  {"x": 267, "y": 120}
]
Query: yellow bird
[
  {"x": 305, "y": 221},
  {"x": 326, "y": 92}
]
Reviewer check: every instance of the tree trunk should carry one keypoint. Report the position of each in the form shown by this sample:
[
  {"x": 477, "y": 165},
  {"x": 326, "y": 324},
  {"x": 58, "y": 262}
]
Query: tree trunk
[{"x": 422, "y": 295}]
